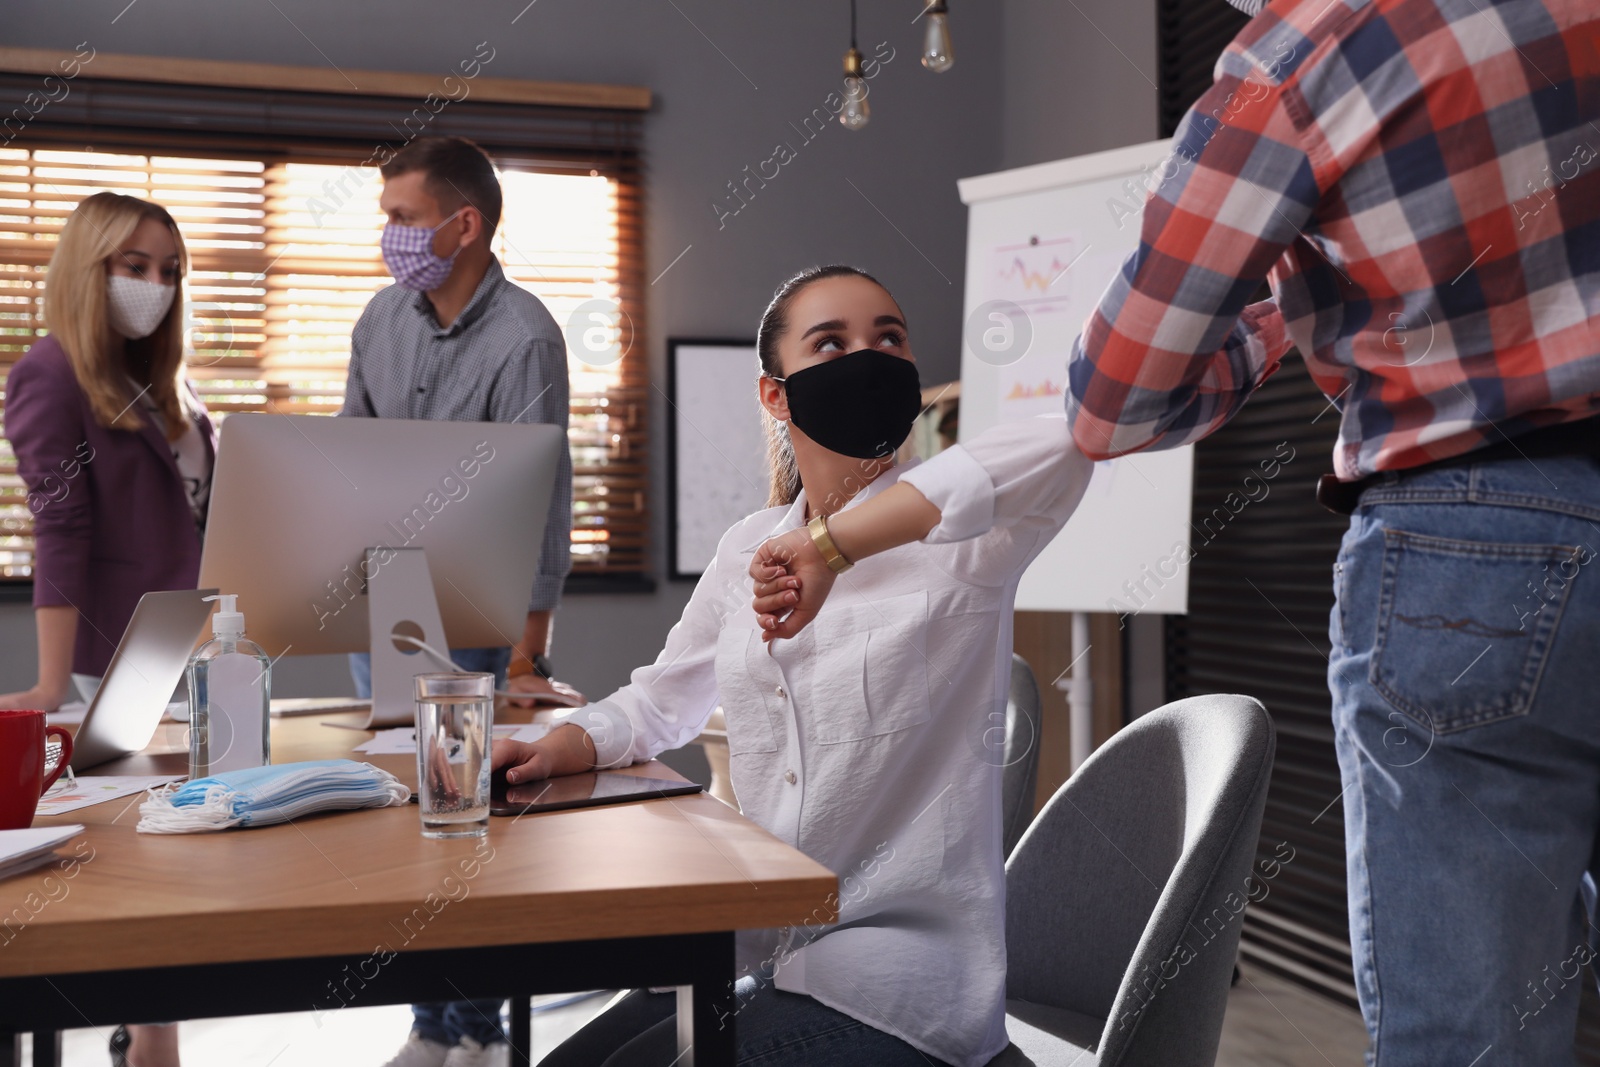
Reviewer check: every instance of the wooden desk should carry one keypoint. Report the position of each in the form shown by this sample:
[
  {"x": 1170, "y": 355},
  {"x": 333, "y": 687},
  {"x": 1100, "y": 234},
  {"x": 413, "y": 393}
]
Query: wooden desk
[{"x": 358, "y": 908}]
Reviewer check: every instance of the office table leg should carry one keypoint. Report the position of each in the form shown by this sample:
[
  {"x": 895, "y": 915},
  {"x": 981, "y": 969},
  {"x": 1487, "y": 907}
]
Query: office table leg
[
  {"x": 47, "y": 1048},
  {"x": 706, "y": 1010},
  {"x": 521, "y": 1031}
]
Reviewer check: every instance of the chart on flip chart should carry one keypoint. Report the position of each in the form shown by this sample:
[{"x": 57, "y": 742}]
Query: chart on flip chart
[{"x": 1043, "y": 242}]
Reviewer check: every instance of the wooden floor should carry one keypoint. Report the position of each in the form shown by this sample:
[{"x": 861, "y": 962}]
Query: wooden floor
[
  {"x": 1274, "y": 1023},
  {"x": 1270, "y": 1023}
]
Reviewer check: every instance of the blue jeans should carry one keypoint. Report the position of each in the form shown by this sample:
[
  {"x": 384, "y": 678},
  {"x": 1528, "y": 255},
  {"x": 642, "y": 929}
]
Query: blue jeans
[
  {"x": 494, "y": 661},
  {"x": 449, "y": 1021},
  {"x": 1466, "y": 642},
  {"x": 775, "y": 1029}
]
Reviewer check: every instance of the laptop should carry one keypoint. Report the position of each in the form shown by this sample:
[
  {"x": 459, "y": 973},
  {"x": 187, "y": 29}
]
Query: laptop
[{"x": 149, "y": 661}]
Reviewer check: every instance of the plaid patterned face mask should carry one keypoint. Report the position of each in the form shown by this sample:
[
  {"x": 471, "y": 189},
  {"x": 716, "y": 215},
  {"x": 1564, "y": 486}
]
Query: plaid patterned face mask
[
  {"x": 135, "y": 306},
  {"x": 408, "y": 254}
]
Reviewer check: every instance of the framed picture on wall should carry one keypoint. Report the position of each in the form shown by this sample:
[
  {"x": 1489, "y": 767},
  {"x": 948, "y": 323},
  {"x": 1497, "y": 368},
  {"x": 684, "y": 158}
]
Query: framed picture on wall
[{"x": 716, "y": 447}]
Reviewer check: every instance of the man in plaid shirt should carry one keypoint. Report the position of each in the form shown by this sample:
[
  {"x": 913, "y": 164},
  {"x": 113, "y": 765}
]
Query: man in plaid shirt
[{"x": 1419, "y": 183}]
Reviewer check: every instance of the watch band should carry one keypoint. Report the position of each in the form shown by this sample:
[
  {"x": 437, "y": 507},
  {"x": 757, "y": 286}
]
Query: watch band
[
  {"x": 540, "y": 665},
  {"x": 824, "y": 542}
]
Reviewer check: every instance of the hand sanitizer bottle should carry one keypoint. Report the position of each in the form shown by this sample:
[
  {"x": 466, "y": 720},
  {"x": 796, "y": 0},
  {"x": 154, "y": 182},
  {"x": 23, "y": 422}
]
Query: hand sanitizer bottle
[{"x": 230, "y": 688}]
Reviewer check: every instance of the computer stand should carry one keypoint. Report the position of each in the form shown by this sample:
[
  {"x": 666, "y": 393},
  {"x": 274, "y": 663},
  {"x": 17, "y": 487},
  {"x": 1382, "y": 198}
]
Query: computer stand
[{"x": 400, "y": 603}]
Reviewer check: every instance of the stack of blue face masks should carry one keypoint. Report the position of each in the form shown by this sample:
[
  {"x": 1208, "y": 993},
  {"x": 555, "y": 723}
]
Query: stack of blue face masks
[{"x": 261, "y": 796}]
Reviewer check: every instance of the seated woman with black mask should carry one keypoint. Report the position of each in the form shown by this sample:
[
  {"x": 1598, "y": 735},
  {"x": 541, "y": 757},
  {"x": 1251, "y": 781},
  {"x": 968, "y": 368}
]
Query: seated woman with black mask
[{"x": 866, "y": 741}]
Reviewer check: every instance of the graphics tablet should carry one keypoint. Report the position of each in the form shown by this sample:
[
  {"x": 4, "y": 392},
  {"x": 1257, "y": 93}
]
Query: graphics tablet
[{"x": 581, "y": 791}]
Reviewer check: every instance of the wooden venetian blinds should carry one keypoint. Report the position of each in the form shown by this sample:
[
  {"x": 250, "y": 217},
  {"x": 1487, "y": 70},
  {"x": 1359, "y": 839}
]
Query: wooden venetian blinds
[{"x": 282, "y": 229}]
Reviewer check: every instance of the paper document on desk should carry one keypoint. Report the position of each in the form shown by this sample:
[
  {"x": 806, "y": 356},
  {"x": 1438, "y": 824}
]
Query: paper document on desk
[
  {"x": 402, "y": 740},
  {"x": 23, "y": 850},
  {"x": 85, "y": 792},
  {"x": 289, "y": 706}
]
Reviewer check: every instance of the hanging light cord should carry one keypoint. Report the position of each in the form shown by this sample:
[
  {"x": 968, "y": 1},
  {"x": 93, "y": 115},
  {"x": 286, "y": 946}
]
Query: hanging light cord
[{"x": 852, "y": 23}]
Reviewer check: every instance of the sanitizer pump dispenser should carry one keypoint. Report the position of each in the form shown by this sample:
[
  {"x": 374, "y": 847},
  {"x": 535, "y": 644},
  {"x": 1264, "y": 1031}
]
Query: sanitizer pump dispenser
[{"x": 230, "y": 690}]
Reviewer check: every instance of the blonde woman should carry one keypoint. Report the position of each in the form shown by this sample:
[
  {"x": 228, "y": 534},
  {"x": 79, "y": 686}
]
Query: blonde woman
[{"x": 116, "y": 452}]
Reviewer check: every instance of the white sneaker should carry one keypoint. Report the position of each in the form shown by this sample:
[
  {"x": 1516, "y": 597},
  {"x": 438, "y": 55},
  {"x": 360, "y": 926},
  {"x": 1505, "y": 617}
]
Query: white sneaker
[
  {"x": 418, "y": 1051},
  {"x": 468, "y": 1053}
]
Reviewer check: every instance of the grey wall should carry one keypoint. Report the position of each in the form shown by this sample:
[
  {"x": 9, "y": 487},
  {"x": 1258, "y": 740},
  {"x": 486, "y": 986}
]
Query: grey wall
[
  {"x": 1080, "y": 76},
  {"x": 730, "y": 77}
]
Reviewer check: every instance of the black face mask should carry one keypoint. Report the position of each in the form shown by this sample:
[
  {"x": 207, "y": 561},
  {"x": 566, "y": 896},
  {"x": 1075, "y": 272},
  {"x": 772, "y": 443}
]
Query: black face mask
[{"x": 860, "y": 404}]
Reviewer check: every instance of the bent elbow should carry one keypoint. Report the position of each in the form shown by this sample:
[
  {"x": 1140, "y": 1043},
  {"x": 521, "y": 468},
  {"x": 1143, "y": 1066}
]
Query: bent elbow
[{"x": 1093, "y": 442}]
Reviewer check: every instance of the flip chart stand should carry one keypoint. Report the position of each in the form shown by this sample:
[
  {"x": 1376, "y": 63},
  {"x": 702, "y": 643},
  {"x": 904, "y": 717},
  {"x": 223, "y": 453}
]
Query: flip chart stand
[
  {"x": 1078, "y": 684},
  {"x": 400, "y": 603}
]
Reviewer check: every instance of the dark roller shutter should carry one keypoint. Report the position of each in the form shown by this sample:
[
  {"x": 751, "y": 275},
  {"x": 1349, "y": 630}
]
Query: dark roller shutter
[
  {"x": 1259, "y": 596},
  {"x": 1192, "y": 35},
  {"x": 1260, "y": 589}
]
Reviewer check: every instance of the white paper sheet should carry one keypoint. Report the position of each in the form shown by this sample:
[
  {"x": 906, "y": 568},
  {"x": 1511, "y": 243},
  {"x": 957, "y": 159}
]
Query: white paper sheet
[
  {"x": 402, "y": 740},
  {"x": 88, "y": 791},
  {"x": 23, "y": 850}
]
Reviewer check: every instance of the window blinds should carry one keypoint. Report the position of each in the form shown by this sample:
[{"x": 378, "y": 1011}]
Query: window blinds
[{"x": 278, "y": 207}]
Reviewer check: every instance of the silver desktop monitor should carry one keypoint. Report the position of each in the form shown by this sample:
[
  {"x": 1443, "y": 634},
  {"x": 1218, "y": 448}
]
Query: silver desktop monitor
[{"x": 325, "y": 526}]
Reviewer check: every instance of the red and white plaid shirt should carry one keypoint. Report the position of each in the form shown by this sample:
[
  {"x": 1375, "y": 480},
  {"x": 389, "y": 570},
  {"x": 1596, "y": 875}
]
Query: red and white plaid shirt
[{"x": 1419, "y": 181}]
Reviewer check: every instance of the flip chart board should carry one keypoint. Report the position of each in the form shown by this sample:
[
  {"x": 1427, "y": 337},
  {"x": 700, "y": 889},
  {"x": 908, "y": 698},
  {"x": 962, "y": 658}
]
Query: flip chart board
[{"x": 1043, "y": 242}]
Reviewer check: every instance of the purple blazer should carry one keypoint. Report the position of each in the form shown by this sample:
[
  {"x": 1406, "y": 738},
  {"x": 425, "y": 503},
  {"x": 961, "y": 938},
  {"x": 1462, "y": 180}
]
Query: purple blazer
[{"x": 111, "y": 519}]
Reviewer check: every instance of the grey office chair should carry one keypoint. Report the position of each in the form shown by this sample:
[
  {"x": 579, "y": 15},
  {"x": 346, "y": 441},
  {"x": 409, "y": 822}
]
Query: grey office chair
[
  {"x": 1020, "y": 777},
  {"x": 1123, "y": 898}
]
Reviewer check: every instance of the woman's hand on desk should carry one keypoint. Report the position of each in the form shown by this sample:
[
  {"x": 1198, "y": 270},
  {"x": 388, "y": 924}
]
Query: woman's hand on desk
[{"x": 568, "y": 749}]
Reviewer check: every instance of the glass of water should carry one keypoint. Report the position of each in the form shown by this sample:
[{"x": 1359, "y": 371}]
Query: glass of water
[{"x": 455, "y": 723}]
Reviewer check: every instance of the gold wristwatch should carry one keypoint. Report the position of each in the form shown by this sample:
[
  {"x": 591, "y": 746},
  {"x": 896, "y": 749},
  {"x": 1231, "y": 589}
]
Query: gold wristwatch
[{"x": 830, "y": 551}]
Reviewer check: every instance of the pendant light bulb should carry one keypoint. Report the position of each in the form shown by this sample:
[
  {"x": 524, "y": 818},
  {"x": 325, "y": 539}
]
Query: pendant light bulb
[
  {"x": 938, "y": 55},
  {"x": 856, "y": 111}
]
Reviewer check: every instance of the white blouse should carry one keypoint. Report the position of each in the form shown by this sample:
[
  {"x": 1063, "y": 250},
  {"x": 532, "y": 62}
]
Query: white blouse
[
  {"x": 869, "y": 741},
  {"x": 191, "y": 454}
]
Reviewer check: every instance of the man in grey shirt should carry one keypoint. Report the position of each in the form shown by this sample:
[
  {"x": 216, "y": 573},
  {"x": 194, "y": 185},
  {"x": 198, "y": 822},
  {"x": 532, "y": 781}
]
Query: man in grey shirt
[{"x": 455, "y": 339}]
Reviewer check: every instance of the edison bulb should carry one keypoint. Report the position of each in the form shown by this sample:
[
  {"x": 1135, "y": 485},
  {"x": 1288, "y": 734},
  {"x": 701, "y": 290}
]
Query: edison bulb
[
  {"x": 856, "y": 110},
  {"x": 937, "y": 53}
]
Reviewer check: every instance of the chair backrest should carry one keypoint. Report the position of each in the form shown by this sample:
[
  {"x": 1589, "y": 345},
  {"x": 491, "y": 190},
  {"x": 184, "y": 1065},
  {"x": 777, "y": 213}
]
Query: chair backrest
[
  {"x": 1124, "y": 898},
  {"x": 1021, "y": 754}
]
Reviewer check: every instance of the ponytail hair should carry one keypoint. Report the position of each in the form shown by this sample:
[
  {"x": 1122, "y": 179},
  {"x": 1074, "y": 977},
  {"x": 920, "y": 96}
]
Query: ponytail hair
[{"x": 784, "y": 485}]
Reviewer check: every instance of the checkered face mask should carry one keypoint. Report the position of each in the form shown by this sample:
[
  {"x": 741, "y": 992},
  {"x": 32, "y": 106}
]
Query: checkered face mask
[{"x": 408, "y": 254}]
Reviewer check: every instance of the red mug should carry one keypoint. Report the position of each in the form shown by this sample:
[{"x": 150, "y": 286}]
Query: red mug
[{"x": 22, "y": 765}]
